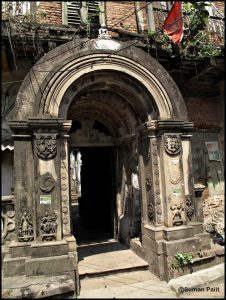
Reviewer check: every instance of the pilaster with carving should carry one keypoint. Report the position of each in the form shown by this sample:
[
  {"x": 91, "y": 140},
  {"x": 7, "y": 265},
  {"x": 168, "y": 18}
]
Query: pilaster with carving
[
  {"x": 24, "y": 185},
  {"x": 153, "y": 196},
  {"x": 188, "y": 177},
  {"x": 64, "y": 185},
  {"x": 175, "y": 208}
]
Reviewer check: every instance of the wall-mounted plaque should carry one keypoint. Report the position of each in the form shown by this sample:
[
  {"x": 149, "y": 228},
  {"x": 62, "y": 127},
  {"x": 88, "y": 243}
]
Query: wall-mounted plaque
[
  {"x": 177, "y": 192},
  {"x": 45, "y": 199},
  {"x": 213, "y": 151}
]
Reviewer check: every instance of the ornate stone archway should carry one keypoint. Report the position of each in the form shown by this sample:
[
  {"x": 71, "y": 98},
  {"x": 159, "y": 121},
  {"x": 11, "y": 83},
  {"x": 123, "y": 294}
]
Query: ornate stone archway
[{"x": 128, "y": 88}]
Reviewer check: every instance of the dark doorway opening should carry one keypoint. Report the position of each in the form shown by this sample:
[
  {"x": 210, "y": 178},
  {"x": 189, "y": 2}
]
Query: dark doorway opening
[{"x": 94, "y": 218}]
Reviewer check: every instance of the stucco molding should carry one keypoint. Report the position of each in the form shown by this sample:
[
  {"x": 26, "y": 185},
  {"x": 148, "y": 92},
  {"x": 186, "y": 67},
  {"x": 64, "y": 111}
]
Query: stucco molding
[{"x": 47, "y": 82}]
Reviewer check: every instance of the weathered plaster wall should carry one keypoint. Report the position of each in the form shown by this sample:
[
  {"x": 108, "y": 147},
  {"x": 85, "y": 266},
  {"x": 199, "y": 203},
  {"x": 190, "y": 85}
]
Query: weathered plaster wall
[
  {"x": 213, "y": 211},
  {"x": 7, "y": 172}
]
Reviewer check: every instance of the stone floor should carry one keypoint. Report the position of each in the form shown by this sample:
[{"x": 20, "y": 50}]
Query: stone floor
[
  {"x": 107, "y": 257},
  {"x": 141, "y": 285},
  {"x": 110, "y": 270}
]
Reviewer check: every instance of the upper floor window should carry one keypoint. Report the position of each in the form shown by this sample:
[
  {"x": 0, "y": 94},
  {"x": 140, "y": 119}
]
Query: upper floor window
[
  {"x": 18, "y": 8},
  {"x": 164, "y": 5},
  {"x": 87, "y": 12}
]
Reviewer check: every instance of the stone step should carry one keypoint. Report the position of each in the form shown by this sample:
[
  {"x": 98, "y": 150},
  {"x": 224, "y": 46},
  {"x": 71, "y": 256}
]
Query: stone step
[
  {"x": 37, "y": 287},
  {"x": 49, "y": 265},
  {"x": 107, "y": 258},
  {"x": 13, "y": 266}
]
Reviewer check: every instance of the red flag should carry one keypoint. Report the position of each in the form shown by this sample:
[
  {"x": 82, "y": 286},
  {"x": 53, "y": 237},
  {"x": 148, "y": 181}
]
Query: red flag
[{"x": 173, "y": 24}]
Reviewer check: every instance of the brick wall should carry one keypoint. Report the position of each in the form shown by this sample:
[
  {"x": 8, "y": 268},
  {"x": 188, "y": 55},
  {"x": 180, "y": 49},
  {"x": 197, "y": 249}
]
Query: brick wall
[
  {"x": 205, "y": 113},
  {"x": 117, "y": 10},
  {"x": 213, "y": 212},
  {"x": 219, "y": 5},
  {"x": 49, "y": 12}
]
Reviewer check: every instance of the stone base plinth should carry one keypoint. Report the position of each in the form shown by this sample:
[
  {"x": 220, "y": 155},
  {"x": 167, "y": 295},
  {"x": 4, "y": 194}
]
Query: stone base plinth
[
  {"x": 55, "y": 258},
  {"x": 37, "y": 287},
  {"x": 160, "y": 245}
]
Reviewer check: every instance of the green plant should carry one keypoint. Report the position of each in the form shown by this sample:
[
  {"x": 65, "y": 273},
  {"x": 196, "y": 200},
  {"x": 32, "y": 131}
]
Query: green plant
[
  {"x": 196, "y": 43},
  {"x": 42, "y": 14},
  {"x": 181, "y": 259}
]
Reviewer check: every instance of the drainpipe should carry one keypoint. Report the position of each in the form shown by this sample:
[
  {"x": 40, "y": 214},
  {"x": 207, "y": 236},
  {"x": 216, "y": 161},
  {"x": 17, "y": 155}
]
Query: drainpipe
[
  {"x": 150, "y": 17},
  {"x": 33, "y": 7},
  {"x": 139, "y": 16}
]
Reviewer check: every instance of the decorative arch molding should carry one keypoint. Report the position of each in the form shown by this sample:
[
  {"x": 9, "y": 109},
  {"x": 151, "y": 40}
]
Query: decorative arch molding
[{"x": 47, "y": 82}]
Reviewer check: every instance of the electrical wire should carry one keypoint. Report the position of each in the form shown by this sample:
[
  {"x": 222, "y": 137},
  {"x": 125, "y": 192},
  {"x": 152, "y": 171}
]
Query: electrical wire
[
  {"x": 115, "y": 52},
  {"x": 74, "y": 47}
]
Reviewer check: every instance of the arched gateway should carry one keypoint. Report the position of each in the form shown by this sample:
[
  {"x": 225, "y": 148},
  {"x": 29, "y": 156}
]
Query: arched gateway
[{"x": 116, "y": 97}]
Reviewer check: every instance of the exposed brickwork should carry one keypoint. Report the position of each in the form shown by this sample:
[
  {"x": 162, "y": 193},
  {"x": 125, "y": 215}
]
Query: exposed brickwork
[
  {"x": 213, "y": 212},
  {"x": 117, "y": 10},
  {"x": 205, "y": 114},
  {"x": 49, "y": 12},
  {"x": 219, "y": 5}
]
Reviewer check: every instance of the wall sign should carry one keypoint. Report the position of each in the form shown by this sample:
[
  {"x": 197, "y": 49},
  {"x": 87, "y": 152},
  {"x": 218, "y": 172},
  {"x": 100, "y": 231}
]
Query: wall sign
[
  {"x": 45, "y": 199},
  {"x": 177, "y": 192},
  {"x": 213, "y": 151}
]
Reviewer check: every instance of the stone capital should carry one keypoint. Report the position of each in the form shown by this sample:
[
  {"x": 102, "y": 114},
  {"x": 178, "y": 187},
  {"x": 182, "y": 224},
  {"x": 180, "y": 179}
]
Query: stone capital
[{"x": 162, "y": 125}]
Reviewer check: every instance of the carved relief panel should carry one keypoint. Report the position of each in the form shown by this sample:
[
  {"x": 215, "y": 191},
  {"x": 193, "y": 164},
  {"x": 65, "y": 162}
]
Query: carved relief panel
[
  {"x": 64, "y": 179},
  {"x": 48, "y": 226},
  {"x": 47, "y": 198},
  {"x": 45, "y": 145},
  {"x": 172, "y": 143},
  {"x": 8, "y": 224},
  {"x": 154, "y": 205},
  {"x": 26, "y": 229},
  {"x": 173, "y": 173}
]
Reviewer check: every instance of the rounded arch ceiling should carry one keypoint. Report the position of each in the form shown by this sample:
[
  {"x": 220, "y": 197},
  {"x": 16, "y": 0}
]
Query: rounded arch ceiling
[
  {"x": 132, "y": 75},
  {"x": 111, "y": 97}
]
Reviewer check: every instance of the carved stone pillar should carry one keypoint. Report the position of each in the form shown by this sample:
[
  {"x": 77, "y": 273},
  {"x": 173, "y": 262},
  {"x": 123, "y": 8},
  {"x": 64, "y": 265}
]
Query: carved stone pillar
[
  {"x": 188, "y": 177},
  {"x": 42, "y": 214},
  {"x": 164, "y": 157},
  {"x": 65, "y": 184},
  {"x": 25, "y": 222},
  {"x": 150, "y": 175},
  {"x": 52, "y": 179},
  {"x": 46, "y": 187}
]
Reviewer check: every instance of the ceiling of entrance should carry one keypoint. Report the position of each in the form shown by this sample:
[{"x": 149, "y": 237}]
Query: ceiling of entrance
[{"x": 119, "y": 102}]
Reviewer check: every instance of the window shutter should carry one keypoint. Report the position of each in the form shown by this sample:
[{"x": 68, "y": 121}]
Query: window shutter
[
  {"x": 93, "y": 11},
  {"x": 72, "y": 13}
]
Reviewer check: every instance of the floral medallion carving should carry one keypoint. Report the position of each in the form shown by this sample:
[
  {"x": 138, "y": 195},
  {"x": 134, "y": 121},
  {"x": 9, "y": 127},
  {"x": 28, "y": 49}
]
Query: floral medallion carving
[
  {"x": 174, "y": 177},
  {"x": 48, "y": 226},
  {"x": 189, "y": 207},
  {"x": 46, "y": 145},
  {"x": 46, "y": 183},
  {"x": 64, "y": 198},
  {"x": 172, "y": 143},
  {"x": 26, "y": 230},
  {"x": 8, "y": 223}
]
